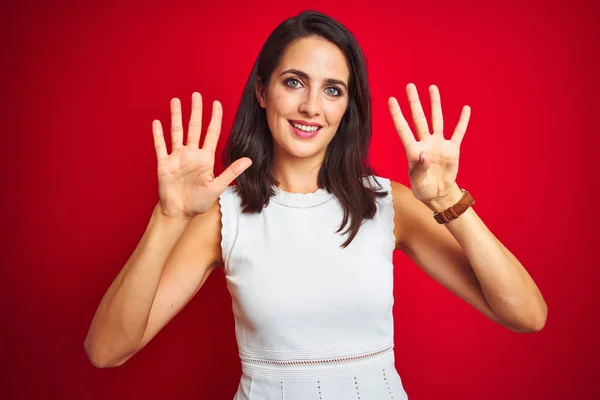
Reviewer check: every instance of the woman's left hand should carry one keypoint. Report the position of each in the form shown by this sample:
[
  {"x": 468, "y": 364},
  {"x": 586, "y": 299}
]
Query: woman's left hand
[{"x": 432, "y": 160}]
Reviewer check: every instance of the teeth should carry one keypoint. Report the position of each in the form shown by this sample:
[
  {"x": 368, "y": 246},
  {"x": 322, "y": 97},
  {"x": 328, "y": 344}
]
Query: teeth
[{"x": 305, "y": 128}]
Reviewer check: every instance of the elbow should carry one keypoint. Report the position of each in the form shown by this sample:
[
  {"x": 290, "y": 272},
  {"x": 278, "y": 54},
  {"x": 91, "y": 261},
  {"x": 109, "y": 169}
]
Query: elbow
[
  {"x": 98, "y": 363},
  {"x": 99, "y": 358},
  {"x": 540, "y": 320},
  {"x": 94, "y": 355},
  {"x": 91, "y": 355},
  {"x": 527, "y": 329},
  {"x": 534, "y": 324}
]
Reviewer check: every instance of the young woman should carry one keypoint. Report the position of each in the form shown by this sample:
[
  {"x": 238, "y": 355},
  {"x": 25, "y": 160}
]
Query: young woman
[{"x": 306, "y": 235}]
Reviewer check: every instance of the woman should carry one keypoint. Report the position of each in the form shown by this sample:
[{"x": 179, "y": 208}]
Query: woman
[{"x": 306, "y": 235}]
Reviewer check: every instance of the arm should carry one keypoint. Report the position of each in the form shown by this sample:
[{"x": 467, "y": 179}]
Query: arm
[
  {"x": 168, "y": 267},
  {"x": 466, "y": 258},
  {"x": 463, "y": 255}
]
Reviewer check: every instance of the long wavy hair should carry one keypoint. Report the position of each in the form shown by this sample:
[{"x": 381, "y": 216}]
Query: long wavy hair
[{"x": 346, "y": 160}]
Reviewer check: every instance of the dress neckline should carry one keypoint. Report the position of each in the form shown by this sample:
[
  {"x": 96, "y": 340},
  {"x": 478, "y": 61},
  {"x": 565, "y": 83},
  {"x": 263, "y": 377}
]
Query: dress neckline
[{"x": 301, "y": 200}]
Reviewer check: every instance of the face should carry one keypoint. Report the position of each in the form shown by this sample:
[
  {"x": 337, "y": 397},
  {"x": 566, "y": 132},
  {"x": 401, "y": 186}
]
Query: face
[{"x": 306, "y": 98}]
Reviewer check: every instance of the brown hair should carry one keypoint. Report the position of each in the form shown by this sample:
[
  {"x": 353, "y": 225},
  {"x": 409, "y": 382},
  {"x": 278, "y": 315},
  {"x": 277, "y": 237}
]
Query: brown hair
[{"x": 346, "y": 160}]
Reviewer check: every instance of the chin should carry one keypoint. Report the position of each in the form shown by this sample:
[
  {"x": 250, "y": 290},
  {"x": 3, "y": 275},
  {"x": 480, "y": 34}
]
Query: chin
[
  {"x": 305, "y": 152},
  {"x": 302, "y": 150}
]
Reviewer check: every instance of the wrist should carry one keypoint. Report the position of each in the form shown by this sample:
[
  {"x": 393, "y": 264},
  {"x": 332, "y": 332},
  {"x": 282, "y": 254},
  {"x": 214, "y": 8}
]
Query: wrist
[
  {"x": 165, "y": 218},
  {"x": 445, "y": 201}
]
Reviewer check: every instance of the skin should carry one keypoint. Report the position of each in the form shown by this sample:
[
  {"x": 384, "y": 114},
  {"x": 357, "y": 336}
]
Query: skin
[
  {"x": 463, "y": 255},
  {"x": 177, "y": 254},
  {"x": 311, "y": 98}
]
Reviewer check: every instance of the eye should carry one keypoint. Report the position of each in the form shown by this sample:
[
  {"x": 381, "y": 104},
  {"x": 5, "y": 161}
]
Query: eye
[
  {"x": 292, "y": 82},
  {"x": 333, "y": 91}
]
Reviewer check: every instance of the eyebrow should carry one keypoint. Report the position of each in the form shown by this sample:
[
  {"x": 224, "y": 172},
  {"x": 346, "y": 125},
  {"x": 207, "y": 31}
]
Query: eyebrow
[{"x": 304, "y": 75}]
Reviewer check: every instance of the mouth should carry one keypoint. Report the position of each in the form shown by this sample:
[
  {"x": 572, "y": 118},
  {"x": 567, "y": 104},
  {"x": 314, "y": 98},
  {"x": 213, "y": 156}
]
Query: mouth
[{"x": 305, "y": 130}]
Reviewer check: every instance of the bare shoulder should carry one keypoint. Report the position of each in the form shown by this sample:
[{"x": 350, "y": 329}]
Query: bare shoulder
[
  {"x": 204, "y": 233},
  {"x": 401, "y": 200},
  {"x": 399, "y": 189},
  {"x": 410, "y": 214}
]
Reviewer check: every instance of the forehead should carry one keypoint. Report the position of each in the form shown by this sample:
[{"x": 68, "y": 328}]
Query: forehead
[{"x": 318, "y": 57}]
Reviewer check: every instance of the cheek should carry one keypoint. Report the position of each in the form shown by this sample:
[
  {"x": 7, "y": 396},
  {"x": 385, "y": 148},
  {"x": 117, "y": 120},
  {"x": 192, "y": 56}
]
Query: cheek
[
  {"x": 336, "y": 112},
  {"x": 280, "y": 103}
]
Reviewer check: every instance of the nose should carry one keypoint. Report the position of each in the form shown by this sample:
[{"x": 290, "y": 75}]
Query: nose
[{"x": 310, "y": 104}]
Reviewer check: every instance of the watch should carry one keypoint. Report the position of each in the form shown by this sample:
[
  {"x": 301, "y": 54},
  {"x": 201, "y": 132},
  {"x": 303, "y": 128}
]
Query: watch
[{"x": 443, "y": 217}]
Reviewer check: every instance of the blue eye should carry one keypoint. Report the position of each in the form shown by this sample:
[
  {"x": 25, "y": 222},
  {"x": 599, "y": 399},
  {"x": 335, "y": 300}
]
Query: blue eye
[
  {"x": 288, "y": 82},
  {"x": 335, "y": 92},
  {"x": 294, "y": 83}
]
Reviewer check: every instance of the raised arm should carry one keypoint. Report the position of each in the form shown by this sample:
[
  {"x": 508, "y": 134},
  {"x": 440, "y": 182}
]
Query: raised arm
[{"x": 179, "y": 249}]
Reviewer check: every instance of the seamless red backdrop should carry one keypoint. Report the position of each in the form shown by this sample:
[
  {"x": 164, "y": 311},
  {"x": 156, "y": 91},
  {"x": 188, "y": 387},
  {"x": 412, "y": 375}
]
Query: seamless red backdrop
[{"x": 82, "y": 82}]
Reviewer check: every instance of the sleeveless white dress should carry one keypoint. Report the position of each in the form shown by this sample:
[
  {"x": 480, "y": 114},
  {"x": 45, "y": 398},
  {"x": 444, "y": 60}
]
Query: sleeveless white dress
[{"x": 313, "y": 321}]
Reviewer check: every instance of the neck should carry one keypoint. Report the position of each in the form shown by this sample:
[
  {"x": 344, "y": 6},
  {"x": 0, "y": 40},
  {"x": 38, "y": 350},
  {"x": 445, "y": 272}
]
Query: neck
[{"x": 297, "y": 175}]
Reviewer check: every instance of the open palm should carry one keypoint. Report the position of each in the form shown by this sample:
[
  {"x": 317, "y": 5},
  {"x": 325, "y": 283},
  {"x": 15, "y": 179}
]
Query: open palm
[
  {"x": 186, "y": 182},
  {"x": 432, "y": 160}
]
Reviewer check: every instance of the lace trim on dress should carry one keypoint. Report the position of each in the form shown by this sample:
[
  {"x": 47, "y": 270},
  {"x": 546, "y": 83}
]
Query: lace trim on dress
[
  {"x": 225, "y": 202},
  {"x": 386, "y": 206},
  {"x": 301, "y": 200},
  {"x": 336, "y": 360}
]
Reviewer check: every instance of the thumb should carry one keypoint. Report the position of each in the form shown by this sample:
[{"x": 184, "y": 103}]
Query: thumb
[
  {"x": 425, "y": 160},
  {"x": 420, "y": 168},
  {"x": 232, "y": 172}
]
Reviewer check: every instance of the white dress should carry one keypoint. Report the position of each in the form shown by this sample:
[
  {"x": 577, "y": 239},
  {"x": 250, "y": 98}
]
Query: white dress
[{"x": 312, "y": 320}]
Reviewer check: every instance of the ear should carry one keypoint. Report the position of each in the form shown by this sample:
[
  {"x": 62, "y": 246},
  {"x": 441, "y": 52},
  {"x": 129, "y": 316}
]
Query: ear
[{"x": 259, "y": 90}]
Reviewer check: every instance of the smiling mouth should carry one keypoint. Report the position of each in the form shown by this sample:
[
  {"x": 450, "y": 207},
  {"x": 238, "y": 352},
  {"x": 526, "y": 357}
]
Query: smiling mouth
[
  {"x": 310, "y": 133},
  {"x": 305, "y": 128}
]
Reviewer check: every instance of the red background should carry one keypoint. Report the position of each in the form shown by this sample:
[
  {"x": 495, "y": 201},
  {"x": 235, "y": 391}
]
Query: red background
[{"x": 81, "y": 84}]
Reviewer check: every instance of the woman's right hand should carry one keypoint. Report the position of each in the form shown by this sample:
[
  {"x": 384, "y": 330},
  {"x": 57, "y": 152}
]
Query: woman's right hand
[{"x": 186, "y": 183}]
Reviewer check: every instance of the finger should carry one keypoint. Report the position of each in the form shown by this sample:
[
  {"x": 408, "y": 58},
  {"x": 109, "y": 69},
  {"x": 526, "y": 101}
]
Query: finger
[
  {"x": 417, "y": 111},
  {"x": 461, "y": 127},
  {"x": 437, "y": 120},
  {"x": 419, "y": 171},
  {"x": 176, "y": 124},
  {"x": 214, "y": 128},
  {"x": 406, "y": 136},
  {"x": 159, "y": 141},
  {"x": 195, "y": 125},
  {"x": 232, "y": 172}
]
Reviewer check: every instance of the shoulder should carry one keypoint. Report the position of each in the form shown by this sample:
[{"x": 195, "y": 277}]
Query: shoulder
[
  {"x": 227, "y": 193},
  {"x": 394, "y": 204},
  {"x": 200, "y": 242},
  {"x": 395, "y": 190},
  {"x": 378, "y": 183},
  {"x": 229, "y": 208},
  {"x": 410, "y": 214},
  {"x": 402, "y": 203},
  {"x": 399, "y": 189}
]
